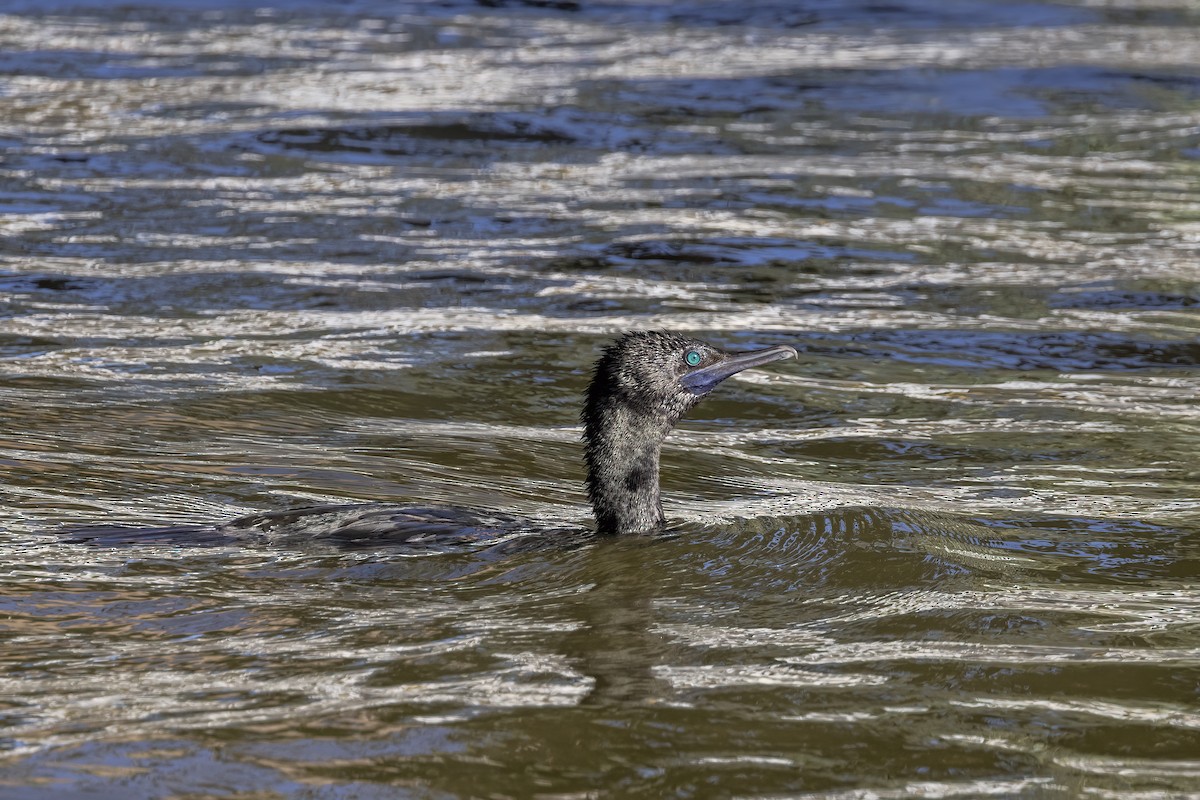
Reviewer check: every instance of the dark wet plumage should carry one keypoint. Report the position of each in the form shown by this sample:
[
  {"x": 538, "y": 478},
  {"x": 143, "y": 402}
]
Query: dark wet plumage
[{"x": 642, "y": 386}]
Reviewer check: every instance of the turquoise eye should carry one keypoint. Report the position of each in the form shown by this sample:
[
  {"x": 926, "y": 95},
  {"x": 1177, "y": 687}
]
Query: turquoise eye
[{"x": 692, "y": 358}]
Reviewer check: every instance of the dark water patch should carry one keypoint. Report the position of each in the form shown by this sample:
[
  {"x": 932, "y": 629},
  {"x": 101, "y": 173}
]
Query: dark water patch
[
  {"x": 1008, "y": 92},
  {"x": 959, "y": 207},
  {"x": 31, "y": 284},
  {"x": 14, "y": 346},
  {"x": 192, "y": 295},
  {"x": 830, "y": 15},
  {"x": 781, "y": 16},
  {"x": 377, "y": 529},
  {"x": 1059, "y": 352},
  {"x": 1138, "y": 15},
  {"x": 57, "y": 284},
  {"x": 80, "y": 64},
  {"x": 708, "y": 99},
  {"x": 1188, "y": 83},
  {"x": 1119, "y": 299},
  {"x": 397, "y": 139},
  {"x": 554, "y": 5},
  {"x": 948, "y": 97},
  {"x": 74, "y": 163},
  {"x": 741, "y": 251},
  {"x": 478, "y": 135},
  {"x": 825, "y": 206}
]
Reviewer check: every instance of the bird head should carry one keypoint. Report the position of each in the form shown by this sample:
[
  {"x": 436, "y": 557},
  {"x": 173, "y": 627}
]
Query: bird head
[{"x": 667, "y": 373}]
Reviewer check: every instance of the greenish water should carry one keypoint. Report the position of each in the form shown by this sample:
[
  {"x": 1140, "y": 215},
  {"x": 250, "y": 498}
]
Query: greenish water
[{"x": 353, "y": 252}]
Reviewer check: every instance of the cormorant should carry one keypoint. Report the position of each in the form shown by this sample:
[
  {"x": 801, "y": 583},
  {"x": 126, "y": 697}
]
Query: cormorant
[{"x": 643, "y": 384}]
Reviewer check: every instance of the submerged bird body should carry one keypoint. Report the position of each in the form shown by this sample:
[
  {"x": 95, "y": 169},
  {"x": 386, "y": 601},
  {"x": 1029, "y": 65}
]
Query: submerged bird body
[{"x": 643, "y": 384}]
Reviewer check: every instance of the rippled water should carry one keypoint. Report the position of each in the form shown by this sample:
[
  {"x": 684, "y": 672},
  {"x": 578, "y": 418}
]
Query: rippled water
[{"x": 348, "y": 252}]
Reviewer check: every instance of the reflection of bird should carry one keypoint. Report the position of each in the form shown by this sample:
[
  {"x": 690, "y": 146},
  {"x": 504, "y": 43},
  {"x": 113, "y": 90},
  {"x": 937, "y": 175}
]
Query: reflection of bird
[{"x": 643, "y": 384}]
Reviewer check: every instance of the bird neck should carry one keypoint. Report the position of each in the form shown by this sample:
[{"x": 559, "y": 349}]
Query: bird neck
[{"x": 621, "y": 447}]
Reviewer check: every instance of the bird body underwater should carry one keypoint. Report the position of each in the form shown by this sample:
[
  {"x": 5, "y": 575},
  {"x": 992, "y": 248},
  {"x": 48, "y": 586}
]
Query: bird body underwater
[{"x": 643, "y": 384}]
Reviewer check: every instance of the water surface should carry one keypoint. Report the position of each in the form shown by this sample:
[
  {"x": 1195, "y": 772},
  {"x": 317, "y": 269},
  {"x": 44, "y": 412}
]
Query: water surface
[{"x": 351, "y": 252}]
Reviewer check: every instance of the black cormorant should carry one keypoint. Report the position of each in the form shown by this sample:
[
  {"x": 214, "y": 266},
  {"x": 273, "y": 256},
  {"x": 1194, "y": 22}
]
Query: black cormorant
[{"x": 643, "y": 384}]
